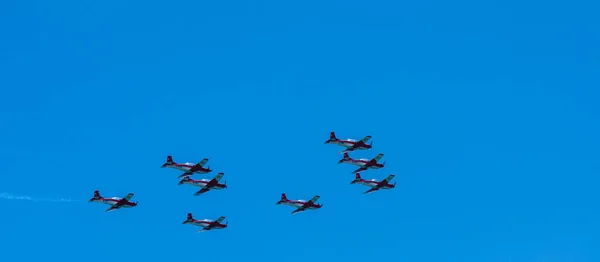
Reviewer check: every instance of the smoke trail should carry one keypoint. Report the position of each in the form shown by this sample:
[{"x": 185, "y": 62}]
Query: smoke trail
[{"x": 9, "y": 196}]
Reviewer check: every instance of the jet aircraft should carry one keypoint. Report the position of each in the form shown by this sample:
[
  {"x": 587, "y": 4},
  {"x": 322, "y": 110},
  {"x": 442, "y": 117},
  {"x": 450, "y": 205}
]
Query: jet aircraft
[
  {"x": 188, "y": 168},
  {"x": 114, "y": 202},
  {"x": 364, "y": 164},
  {"x": 350, "y": 144},
  {"x": 205, "y": 184},
  {"x": 206, "y": 224},
  {"x": 301, "y": 205},
  {"x": 374, "y": 184}
]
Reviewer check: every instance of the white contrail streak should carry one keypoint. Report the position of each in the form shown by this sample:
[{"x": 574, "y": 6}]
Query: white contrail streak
[{"x": 9, "y": 196}]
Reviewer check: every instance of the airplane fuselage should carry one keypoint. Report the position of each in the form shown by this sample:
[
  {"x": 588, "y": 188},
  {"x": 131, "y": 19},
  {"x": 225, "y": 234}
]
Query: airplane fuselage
[
  {"x": 374, "y": 183},
  {"x": 349, "y": 144},
  {"x": 299, "y": 204},
  {"x": 206, "y": 223},
  {"x": 187, "y": 167},
  {"x": 362, "y": 163},
  {"x": 112, "y": 201},
  {"x": 202, "y": 184}
]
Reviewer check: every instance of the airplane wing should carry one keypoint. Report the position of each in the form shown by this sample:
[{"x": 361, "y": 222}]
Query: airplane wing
[
  {"x": 113, "y": 207},
  {"x": 313, "y": 200},
  {"x": 355, "y": 145},
  {"x": 360, "y": 169},
  {"x": 202, "y": 191},
  {"x": 373, "y": 189},
  {"x": 389, "y": 178},
  {"x": 128, "y": 197},
  {"x": 213, "y": 182},
  {"x": 365, "y": 139},
  {"x": 220, "y": 219},
  {"x": 306, "y": 205},
  {"x": 186, "y": 173},
  {"x": 217, "y": 178},
  {"x": 348, "y": 149},
  {"x": 202, "y": 162},
  {"x": 377, "y": 158},
  {"x": 124, "y": 200},
  {"x": 300, "y": 209}
]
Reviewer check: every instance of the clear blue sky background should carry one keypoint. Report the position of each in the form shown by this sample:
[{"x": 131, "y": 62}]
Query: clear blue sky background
[{"x": 485, "y": 110}]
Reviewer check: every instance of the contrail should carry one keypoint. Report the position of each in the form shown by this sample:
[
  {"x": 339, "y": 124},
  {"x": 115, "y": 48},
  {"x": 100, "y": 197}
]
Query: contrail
[{"x": 33, "y": 199}]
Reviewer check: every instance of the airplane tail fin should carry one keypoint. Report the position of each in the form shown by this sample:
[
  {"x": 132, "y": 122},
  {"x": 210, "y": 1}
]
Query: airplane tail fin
[
  {"x": 332, "y": 138},
  {"x": 357, "y": 178},
  {"x": 189, "y": 219},
  {"x": 346, "y": 157},
  {"x": 169, "y": 161},
  {"x": 283, "y": 199},
  {"x": 96, "y": 196}
]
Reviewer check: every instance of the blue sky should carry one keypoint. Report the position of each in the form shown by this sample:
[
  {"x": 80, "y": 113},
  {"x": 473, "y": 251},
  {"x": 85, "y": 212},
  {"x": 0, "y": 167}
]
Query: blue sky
[{"x": 486, "y": 111}]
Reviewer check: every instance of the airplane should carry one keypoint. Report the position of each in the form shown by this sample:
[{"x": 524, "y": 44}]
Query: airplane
[
  {"x": 350, "y": 144},
  {"x": 206, "y": 224},
  {"x": 205, "y": 184},
  {"x": 301, "y": 205},
  {"x": 374, "y": 184},
  {"x": 363, "y": 163},
  {"x": 189, "y": 168},
  {"x": 114, "y": 202}
]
